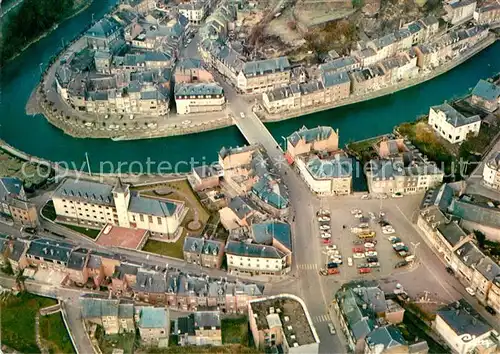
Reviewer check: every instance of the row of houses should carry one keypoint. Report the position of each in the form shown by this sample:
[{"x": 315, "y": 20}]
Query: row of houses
[
  {"x": 154, "y": 324},
  {"x": 442, "y": 227},
  {"x": 151, "y": 284}
]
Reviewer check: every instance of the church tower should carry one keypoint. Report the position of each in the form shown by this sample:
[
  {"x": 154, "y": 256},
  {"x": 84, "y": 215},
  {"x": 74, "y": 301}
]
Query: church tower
[{"x": 121, "y": 195}]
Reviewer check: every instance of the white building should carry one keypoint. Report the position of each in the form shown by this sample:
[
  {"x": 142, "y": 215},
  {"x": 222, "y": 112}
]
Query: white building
[
  {"x": 326, "y": 176},
  {"x": 199, "y": 98},
  {"x": 464, "y": 330},
  {"x": 194, "y": 11},
  {"x": 491, "y": 172},
  {"x": 254, "y": 258},
  {"x": 458, "y": 11},
  {"x": 95, "y": 204},
  {"x": 451, "y": 124}
]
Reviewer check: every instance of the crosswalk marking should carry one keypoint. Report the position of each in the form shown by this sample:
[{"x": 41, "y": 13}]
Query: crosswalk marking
[
  {"x": 308, "y": 266},
  {"x": 320, "y": 318}
]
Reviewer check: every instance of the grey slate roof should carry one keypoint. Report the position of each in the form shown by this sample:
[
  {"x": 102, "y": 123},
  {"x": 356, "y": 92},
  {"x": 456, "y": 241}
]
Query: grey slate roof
[
  {"x": 336, "y": 78},
  {"x": 388, "y": 336},
  {"x": 95, "y": 306},
  {"x": 266, "y": 66},
  {"x": 50, "y": 250},
  {"x": 310, "y": 135},
  {"x": 452, "y": 232},
  {"x": 10, "y": 186},
  {"x": 462, "y": 319},
  {"x": 150, "y": 282},
  {"x": 189, "y": 63},
  {"x": 454, "y": 117},
  {"x": 154, "y": 317},
  {"x": 488, "y": 268},
  {"x": 207, "y": 319},
  {"x": 151, "y": 206},
  {"x": 338, "y": 63},
  {"x": 252, "y": 250},
  {"x": 103, "y": 28},
  {"x": 18, "y": 248},
  {"x": 340, "y": 167},
  {"x": 126, "y": 310},
  {"x": 81, "y": 190},
  {"x": 469, "y": 253},
  {"x": 77, "y": 259},
  {"x": 241, "y": 206},
  {"x": 486, "y": 90},
  {"x": 198, "y": 89}
]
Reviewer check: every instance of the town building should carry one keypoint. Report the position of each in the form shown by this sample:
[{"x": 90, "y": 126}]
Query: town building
[
  {"x": 306, "y": 141},
  {"x": 195, "y": 11},
  {"x": 331, "y": 175},
  {"x": 422, "y": 30},
  {"x": 114, "y": 315},
  {"x": 95, "y": 204},
  {"x": 491, "y": 172},
  {"x": 347, "y": 63},
  {"x": 17, "y": 255},
  {"x": 147, "y": 60},
  {"x": 486, "y": 95},
  {"x": 464, "y": 330},
  {"x": 240, "y": 212},
  {"x": 199, "y": 328},
  {"x": 367, "y": 319},
  {"x": 463, "y": 261},
  {"x": 263, "y": 75},
  {"x": 206, "y": 177},
  {"x": 199, "y": 98},
  {"x": 336, "y": 86},
  {"x": 14, "y": 204},
  {"x": 139, "y": 6},
  {"x": 77, "y": 266},
  {"x": 45, "y": 253},
  {"x": 371, "y": 78},
  {"x": 458, "y": 11},
  {"x": 282, "y": 322},
  {"x": 400, "y": 67},
  {"x": 204, "y": 252},
  {"x": 104, "y": 33},
  {"x": 452, "y": 125},
  {"x": 191, "y": 70},
  {"x": 485, "y": 272},
  {"x": 282, "y": 99},
  {"x": 154, "y": 325},
  {"x": 488, "y": 14},
  {"x": 151, "y": 286}
]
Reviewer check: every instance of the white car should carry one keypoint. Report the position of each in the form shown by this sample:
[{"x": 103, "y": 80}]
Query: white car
[
  {"x": 242, "y": 115},
  {"x": 334, "y": 254},
  {"x": 358, "y": 255},
  {"x": 364, "y": 225},
  {"x": 355, "y": 211},
  {"x": 358, "y": 216},
  {"x": 391, "y": 238},
  {"x": 336, "y": 260},
  {"x": 349, "y": 262},
  {"x": 324, "y": 218},
  {"x": 371, "y": 215},
  {"x": 470, "y": 291},
  {"x": 324, "y": 227},
  {"x": 381, "y": 214},
  {"x": 365, "y": 196},
  {"x": 323, "y": 212},
  {"x": 326, "y": 235},
  {"x": 369, "y": 245},
  {"x": 371, "y": 254},
  {"x": 388, "y": 231},
  {"x": 331, "y": 328},
  {"x": 331, "y": 247}
]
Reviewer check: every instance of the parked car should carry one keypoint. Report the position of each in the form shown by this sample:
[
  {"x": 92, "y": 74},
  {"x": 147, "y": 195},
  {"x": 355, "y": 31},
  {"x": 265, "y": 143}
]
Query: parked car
[
  {"x": 355, "y": 211},
  {"x": 365, "y": 196},
  {"x": 326, "y": 241},
  {"x": 491, "y": 310},
  {"x": 325, "y": 234},
  {"x": 371, "y": 215},
  {"x": 371, "y": 254},
  {"x": 382, "y": 196},
  {"x": 357, "y": 229},
  {"x": 242, "y": 115},
  {"x": 334, "y": 254},
  {"x": 369, "y": 245},
  {"x": 358, "y": 249},
  {"x": 324, "y": 227},
  {"x": 394, "y": 239},
  {"x": 331, "y": 329},
  {"x": 410, "y": 258},
  {"x": 29, "y": 230},
  {"x": 329, "y": 271},
  {"x": 358, "y": 255},
  {"x": 401, "y": 264},
  {"x": 383, "y": 223},
  {"x": 397, "y": 195},
  {"x": 450, "y": 270},
  {"x": 397, "y": 245},
  {"x": 363, "y": 265},
  {"x": 323, "y": 212},
  {"x": 374, "y": 265},
  {"x": 364, "y": 270},
  {"x": 331, "y": 247},
  {"x": 364, "y": 225},
  {"x": 349, "y": 262},
  {"x": 332, "y": 265},
  {"x": 358, "y": 242},
  {"x": 366, "y": 234},
  {"x": 358, "y": 216},
  {"x": 470, "y": 291},
  {"x": 323, "y": 218},
  {"x": 372, "y": 259},
  {"x": 388, "y": 230},
  {"x": 403, "y": 253}
]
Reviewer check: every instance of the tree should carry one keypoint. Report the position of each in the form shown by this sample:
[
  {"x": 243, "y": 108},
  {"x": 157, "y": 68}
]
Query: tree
[{"x": 480, "y": 237}]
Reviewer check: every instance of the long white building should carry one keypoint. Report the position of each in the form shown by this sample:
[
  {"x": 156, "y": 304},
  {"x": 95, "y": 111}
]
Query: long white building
[
  {"x": 451, "y": 124},
  {"x": 95, "y": 204}
]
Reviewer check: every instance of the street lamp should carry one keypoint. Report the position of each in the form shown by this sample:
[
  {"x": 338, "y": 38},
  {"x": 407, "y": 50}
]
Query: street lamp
[{"x": 415, "y": 246}]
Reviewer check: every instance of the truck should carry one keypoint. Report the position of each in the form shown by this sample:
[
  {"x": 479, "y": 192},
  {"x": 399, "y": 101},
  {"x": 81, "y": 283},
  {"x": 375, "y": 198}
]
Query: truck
[{"x": 329, "y": 271}]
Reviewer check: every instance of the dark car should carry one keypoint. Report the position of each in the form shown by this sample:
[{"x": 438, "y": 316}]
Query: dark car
[
  {"x": 332, "y": 265},
  {"x": 401, "y": 264},
  {"x": 372, "y": 259},
  {"x": 450, "y": 270},
  {"x": 490, "y": 310},
  {"x": 29, "y": 230},
  {"x": 383, "y": 223}
]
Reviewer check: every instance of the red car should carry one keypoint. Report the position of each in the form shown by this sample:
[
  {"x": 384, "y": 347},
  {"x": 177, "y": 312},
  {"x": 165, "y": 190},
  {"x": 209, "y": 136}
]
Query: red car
[
  {"x": 358, "y": 250},
  {"x": 326, "y": 240},
  {"x": 364, "y": 270}
]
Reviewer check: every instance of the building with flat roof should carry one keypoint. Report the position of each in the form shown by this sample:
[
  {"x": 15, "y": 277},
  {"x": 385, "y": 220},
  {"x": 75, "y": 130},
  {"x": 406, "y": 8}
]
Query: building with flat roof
[
  {"x": 14, "y": 204},
  {"x": 199, "y": 98},
  {"x": 486, "y": 95},
  {"x": 282, "y": 321},
  {"x": 94, "y": 205},
  {"x": 464, "y": 330}
]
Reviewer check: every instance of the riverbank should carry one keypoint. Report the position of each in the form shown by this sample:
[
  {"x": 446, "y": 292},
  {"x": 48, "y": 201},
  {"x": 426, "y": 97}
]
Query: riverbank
[
  {"x": 490, "y": 40},
  {"x": 74, "y": 12}
]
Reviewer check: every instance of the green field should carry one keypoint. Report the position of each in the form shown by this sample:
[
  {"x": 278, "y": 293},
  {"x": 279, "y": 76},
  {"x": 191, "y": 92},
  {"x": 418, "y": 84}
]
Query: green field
[
  {"x": 18, "y": 320},
  {"x": 167, "y": 248},
  {"x": 235, "y": 331},
  {"x": 54, "y": 334}
]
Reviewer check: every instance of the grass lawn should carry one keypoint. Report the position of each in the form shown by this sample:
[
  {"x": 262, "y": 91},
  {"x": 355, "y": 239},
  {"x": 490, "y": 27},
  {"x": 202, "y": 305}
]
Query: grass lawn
[
  {"x": 363, "y": 149},
  {"x": 48, "y": 211},
  {"x": 167, "y": 248},
  {"x": 235, "y": 331},
  {"x": 18, "y": 320},
  {"x": 116, "y": 341},
  {"x": 54, "y": 334},
  {"x": 92, "y": 233}
]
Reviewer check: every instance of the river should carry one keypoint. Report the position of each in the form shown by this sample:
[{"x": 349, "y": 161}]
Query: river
[{"x": 34, "y": 135}]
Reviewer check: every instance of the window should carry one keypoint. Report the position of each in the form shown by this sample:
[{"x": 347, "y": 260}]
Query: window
[
  {"x": 141, "y": 217},
  {"x": 159, "y": 221},
  {"x": 150, "y": 218}
]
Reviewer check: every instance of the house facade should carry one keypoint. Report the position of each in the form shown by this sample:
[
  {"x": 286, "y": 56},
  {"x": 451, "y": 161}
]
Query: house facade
[
  {"x": 491, "y": 172},
  {"x": 199, "y": 98},
  {"x": 14, "y": 204},
  {"x": 451, "y": 124}
]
